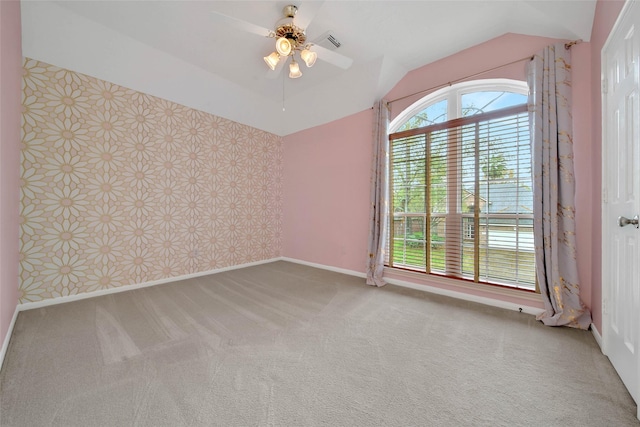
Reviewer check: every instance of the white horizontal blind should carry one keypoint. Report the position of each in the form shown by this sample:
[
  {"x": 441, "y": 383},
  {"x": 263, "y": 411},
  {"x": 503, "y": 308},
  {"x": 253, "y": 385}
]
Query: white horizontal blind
[{"x": 461, "y": 199}]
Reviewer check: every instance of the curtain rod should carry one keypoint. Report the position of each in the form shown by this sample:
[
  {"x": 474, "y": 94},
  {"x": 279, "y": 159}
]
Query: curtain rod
[
  {"x": 570, "y": 44},
  {"x": 458, "y": 80},
  {"x": 530, "y": 57}
]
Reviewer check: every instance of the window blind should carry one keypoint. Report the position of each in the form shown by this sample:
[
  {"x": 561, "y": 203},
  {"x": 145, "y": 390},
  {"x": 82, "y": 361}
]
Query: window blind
[{"x": 462, "y": 200}]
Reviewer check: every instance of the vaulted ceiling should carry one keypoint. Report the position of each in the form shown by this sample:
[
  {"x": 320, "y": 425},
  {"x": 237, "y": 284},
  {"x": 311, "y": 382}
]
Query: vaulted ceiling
[{"x": 182, "y": 51}]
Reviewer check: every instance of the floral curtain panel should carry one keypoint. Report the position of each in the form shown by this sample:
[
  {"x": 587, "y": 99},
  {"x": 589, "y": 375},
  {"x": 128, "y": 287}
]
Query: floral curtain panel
[
  {"x": 379, "y": 194},
  {"x": 549, "y": 76}
]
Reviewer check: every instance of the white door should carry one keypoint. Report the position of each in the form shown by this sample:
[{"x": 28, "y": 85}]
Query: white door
[{"x": 621, "y": 197}]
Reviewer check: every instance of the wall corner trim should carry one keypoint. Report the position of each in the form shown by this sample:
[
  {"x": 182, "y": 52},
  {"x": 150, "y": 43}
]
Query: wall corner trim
[
  {"x": 7, "y": 338},
  {"x": 597, "y": 336}
]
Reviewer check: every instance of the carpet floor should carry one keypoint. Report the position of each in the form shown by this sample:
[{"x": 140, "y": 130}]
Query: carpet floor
[{"x": 282, "y": 344}]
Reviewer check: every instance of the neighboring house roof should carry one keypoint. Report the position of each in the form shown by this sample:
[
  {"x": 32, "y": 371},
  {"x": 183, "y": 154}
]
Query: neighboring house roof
[
  {"x": 505, "y": 197},
  {"x": 508, "y": 197}
]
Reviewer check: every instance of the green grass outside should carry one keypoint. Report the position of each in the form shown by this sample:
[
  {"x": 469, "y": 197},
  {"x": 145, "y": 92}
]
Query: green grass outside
[{"x": 504, "y": 265}]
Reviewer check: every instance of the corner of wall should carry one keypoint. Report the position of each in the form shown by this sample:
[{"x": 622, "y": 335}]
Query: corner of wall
[{"x": 10, "y": 113}]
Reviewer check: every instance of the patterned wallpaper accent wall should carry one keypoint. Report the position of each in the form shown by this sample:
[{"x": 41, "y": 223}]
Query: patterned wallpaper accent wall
[{"x": 119, "y": 187}]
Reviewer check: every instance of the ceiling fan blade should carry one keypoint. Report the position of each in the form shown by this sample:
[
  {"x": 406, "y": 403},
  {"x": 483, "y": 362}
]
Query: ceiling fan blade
[
  {"x": 274, "y": 74},
  {"x": 332, "y": 57},
  {"x": 306, "y": 13},
  {"x": 223, "y": 19}
]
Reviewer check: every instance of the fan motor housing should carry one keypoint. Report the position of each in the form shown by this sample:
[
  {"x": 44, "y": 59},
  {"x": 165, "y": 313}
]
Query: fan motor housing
[{"x": 294, "y": 34}]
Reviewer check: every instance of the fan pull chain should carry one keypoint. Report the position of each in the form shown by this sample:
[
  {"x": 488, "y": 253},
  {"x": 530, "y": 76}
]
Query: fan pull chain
[{"x": 283, "y": 91}]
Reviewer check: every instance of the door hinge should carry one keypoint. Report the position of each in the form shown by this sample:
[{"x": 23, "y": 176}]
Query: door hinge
[{"x": 604, "y": 86}]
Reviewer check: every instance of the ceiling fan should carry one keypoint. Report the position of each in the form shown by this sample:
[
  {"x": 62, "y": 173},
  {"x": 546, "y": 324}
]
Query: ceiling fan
[{"x": 290, "y": 39}]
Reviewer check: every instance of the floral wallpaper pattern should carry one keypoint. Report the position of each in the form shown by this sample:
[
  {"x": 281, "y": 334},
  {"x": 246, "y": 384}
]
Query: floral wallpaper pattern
[{"x": 119, "y": 187}]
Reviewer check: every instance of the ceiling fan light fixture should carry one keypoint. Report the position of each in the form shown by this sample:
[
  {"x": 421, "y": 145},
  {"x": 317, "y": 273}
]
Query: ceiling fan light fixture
[
  {"x": 294, "y": 70},
  {"x": 283, "y": 46},
  {"x": 272, "y": 60},
  {"x": 309, "y": 57}
]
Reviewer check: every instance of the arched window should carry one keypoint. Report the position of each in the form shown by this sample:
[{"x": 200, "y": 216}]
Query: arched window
[
  {"x": 461, "y": 185},
  {"x": 461, "y": 100}
]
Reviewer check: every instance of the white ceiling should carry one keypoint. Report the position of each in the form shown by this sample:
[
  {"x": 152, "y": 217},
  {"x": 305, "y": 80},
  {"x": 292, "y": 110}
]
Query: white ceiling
[{"x": 178, "y": 51}]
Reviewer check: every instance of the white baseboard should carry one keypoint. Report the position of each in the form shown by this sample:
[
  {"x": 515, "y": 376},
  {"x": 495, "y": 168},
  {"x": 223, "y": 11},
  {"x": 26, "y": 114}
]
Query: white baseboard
[
  {"x": 432, "y": 289},
  {"x": 77, "y": 297},
  {"x": 5, "y": 343},
  {"x": 421, "y": 287},
  {"x": 326, "y": 267},
  {"x": 597, "y": 336},
  {"x": 467, "y": 297}
]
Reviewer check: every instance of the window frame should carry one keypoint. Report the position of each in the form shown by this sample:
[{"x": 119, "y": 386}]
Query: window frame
[{"x": 453, "y": 95}]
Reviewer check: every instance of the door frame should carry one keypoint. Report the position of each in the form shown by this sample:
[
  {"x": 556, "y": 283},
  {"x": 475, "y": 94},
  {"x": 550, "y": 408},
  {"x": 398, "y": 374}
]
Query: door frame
[{"x": 606, "y": 266}]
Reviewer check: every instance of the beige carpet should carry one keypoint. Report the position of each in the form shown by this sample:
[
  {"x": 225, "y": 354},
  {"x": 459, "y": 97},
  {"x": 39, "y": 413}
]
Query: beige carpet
[{"x": 287, "y": 345}]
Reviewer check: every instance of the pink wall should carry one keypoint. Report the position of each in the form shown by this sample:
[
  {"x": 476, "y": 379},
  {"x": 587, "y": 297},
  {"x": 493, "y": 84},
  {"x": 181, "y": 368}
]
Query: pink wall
[
  {"x": 496, "y": 52},
  {"x": 10, "y": 110},
  {"x": 606, "y": 15},
  {"x": 583, "y": 157},
  {"x": 331, "y": 229},
  {"x": 326, "y": 192}
]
